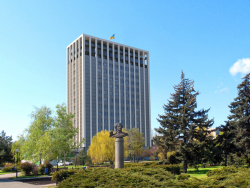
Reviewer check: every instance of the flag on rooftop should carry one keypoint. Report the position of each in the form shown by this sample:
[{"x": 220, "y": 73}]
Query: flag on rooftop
[{"x": 112, "y": 37}]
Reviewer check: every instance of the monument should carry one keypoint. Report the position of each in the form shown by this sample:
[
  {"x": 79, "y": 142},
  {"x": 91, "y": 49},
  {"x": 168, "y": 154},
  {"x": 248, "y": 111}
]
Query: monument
[{"x": 119, "y": 145}]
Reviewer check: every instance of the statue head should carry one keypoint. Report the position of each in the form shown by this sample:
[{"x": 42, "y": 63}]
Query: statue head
[{"x": 118, "y": 127}]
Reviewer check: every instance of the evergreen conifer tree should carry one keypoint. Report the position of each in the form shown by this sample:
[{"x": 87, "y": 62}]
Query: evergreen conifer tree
[
  {"x": 225, "y": 141},
  {"x": 240, "y": 116},
  {"x": 183, "y": 129}
]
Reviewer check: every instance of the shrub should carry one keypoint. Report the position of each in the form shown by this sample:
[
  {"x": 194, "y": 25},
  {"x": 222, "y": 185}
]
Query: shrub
[
  {"x": 26, "y": 167},
  {"x": 62, "y": 175},
  {"x": 174, "y": 169},
  {"x": 8, "y": 167},
  {"x": 222, "y": 171},
  {"x": 34, "y": 170},
  {"x": 183, "y": 177},
  {"x": 45, "y": 165}
]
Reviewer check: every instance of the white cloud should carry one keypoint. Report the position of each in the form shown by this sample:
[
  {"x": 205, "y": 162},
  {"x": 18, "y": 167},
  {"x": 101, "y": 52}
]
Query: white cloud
[
  {"x": 241, "y": 66},
  {"x": 222, "y": 90}
]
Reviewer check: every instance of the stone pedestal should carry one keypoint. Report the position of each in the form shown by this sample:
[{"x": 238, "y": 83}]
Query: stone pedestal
[{"x": 119, "y": 153}]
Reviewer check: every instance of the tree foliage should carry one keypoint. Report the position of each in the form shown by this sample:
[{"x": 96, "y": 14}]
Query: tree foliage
[
  {"x": 182, "y": 128},
  {"x": 102, "y": 148},
  {"x": 239, "y": 118},
  {"x": 5, "y": 148}
]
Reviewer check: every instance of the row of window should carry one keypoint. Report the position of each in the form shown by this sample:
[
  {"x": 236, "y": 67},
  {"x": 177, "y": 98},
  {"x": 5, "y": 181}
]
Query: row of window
[
  {"x": 117, "y": 114},
  {"x": 117, "y": 87},
  {"x": 112, "y": 121},
  {"x": 117, "y": 101},
  {"x": 116, "y": 73},
  {"x": 116, "y": 67},
  {"x": 117, "y": 94}
]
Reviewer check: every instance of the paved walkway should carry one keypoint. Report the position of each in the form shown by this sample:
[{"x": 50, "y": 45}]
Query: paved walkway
[{"x": 5, "y": 182}]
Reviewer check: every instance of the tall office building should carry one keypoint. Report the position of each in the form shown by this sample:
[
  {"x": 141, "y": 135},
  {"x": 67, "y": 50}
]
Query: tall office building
[{"x": 107, "y": 82}]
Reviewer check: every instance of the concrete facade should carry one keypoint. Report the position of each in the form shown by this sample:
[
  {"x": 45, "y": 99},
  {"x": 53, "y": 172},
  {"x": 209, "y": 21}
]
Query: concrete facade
[{"x": 107, "y": 82}]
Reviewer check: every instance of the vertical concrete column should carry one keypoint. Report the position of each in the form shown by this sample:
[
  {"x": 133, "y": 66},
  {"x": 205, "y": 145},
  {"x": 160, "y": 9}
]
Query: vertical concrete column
[{"x": 119, "y": 153}]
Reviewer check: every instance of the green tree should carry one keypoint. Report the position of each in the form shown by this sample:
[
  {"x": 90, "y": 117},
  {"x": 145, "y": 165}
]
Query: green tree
[
  {"x": 239, "y": 118},
  {"x": 63, "y": 134},
  {"x": 36, "y": 145},
  {"x": 136, "y": 142},
  {"x": 5, "y": 148},
  {"x": 183, "y": 129},
  {"x": 225, "y": 141}
]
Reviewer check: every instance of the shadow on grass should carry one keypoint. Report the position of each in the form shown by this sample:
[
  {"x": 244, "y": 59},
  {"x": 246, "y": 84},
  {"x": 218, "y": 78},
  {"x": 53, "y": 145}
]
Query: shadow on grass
[{"x": 198, "y": 171}]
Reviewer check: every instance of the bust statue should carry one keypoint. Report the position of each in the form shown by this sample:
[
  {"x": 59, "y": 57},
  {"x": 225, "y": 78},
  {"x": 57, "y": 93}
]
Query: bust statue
[{"x": 119, "y": 133}]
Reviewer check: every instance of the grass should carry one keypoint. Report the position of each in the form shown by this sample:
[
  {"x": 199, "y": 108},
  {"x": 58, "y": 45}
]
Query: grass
[
  {"x": 31, "y": 176},
  {"x": 201, "y": 173},
  {"x": 1, "y": 173}
]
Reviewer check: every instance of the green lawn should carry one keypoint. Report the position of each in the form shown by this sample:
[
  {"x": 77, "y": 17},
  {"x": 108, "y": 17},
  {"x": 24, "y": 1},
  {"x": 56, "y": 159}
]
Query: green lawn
[
  {"x": 201, "y": 173},
  {"x": 31, "y": 176}
]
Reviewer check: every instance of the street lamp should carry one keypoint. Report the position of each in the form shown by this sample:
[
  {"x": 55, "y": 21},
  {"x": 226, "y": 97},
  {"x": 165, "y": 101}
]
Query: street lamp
[{"x": 17, "y": 150}]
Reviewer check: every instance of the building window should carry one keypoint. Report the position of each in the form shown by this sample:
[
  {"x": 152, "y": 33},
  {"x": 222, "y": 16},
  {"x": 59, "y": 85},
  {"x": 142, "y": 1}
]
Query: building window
[
  {"x": 132, "y": 102},
  {"x": 100, "y": 91},
  {"x": 127, "y": 108},
  {"x": 105, "y": 92},
  {"x": 137, "y": 103},
  {"x": 137, "y": 90},
  {"x": 117, "y": 115},
  {"x": 116, "y": 73},
  {"x": 136, "y": 70},
  {"x": 131, "y": 76},
  {"x": 116, "y": 67},
  {"x": 132, "y": 89},
  {"x": 116, "y": 94},
  {"x": 121, "y": 67},
  {"x": 99, "y": 113},
  {"x": 99, "y": 77},
  {"x": 127, "y": 82},
  {"x": 122, "y": 108},
  {"x": 110, "y": 65},
  {"x": 111, "y": 100},
  {"x": 105, "y": 113},
  {"x": 122, "y": 88},
  {"x": 137, "y": 96},
  {"x": 122, "y": 74},
  {"x": 127, "y": 122},
  {"x": 132, "y": 109},
  {"x": 111, "y": 79},
  {"x": 106, "y": 106},
  {"x": 127, "y": 88},
  {"x": 104, "y": 71},
  {"x": 111, "y": 114},
  {"x": 105, "y": 64},
  {"x": 99, "y": 106},
  {"x": 116, "y": 87},
  {"x": 116, "y": 80},
  {"x": 132, "y": 96},
  {"x": 126, "y": 68},
  {"x": 132, "y": 82},
  {"x": 122, "y": 101},
  {"x": 111, "y": 92},
  {"x": 100, "y": 84},
  {"x": 99, "y": 120},
  {"x": 116, "y": 100},
  {"x": 99, "y": 70},
  {"x": 137, "y": 77},
  {"x": 122, "y": 81},
  {"x": 105, "y": 121},
  {"x": 99, "y": 99},
  {"x": 137, "y": 83},
  {"x": 105, "y": 99},
  {"x": 127, "y": 75},
  {"x": 111, "y": 106},
  {"x": 131, "y": 69},
  {"x": 127, "y": 102},
  {"x": 111, "y": 121},
  {"x": 127, "y": 95},
  {"x": 111, "y": 86},
  {"x": 122, "y": 94},
  {"x": 99, "y": 63}
]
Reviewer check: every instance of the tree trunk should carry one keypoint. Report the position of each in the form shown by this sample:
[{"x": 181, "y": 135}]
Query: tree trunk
[
  {"x": 185, "y": 165},
  {"x": 57, "y": 164},
  {"x": 64, "y": 158},
  {"x": 226, "y": 160},
  {"x": 134, "y": 158},
  {"x": 137, "y": 159},
  {"x": 130, "y": 158}
]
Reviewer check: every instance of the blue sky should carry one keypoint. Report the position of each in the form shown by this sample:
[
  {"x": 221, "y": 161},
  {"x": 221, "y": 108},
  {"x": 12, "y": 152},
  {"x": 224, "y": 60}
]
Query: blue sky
[{"x": 202, "y": 38}]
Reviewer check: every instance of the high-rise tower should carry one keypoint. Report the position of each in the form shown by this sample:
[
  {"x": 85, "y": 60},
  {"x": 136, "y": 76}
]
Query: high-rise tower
[{"x": 107, "y": 82}]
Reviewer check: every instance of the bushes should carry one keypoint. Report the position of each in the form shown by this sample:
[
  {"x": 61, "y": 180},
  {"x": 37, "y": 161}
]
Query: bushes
[
  {"x": 222, "y": 171},
  {"x": 62, "y": 175},
  {"x": 8, "y": 167},
  {"x": 45, "y": 165},
  {"x": 26, "y": 167},
  {"x": 174, "y": 169}
]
